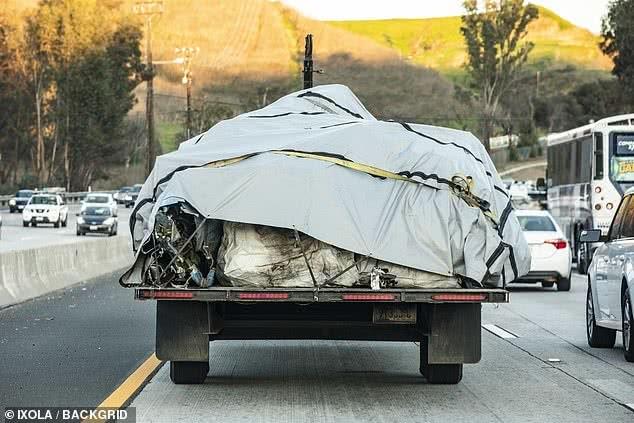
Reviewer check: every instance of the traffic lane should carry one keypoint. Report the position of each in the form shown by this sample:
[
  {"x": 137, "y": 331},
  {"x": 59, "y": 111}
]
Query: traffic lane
[
  {"x": 550, "y": 326},
  {"x": 16, "y": 237},
  {"x": 74, "y": 346},
  {"x": 370, "y": 381},
  {"x": 563, "y": 314}
]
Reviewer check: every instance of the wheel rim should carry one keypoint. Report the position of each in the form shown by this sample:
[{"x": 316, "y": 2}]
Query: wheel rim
[
  {"x": 589, "y": 313},
  {"x": 627, "y": 322}
]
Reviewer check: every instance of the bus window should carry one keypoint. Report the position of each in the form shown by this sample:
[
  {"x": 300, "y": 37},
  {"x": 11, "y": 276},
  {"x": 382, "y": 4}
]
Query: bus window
[
  {"x": 598, "y": 155},
  {"x": 622, "y": 161}
]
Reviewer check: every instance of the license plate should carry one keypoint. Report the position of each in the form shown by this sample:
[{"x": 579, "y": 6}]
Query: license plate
[
  {"x": 20, "y": 207},
  {"x": 394, "y": 313},
  {"x": 94, "y": 228},
  {"x": 626, "y": 167},
  {"x": 39, "y": 219}
]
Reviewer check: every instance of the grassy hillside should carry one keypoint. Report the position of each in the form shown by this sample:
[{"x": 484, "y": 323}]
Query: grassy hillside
[
  {"x": 250, "y": 54},
  {"x": 437, "y": 42}
]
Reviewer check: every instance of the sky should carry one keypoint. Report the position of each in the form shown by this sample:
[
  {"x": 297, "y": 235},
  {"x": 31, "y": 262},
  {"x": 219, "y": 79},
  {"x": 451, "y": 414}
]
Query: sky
[{"x": 584, "y": 13}]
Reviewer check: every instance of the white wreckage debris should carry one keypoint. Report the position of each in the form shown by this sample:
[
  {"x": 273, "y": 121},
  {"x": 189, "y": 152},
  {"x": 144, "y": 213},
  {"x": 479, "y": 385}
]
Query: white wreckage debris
[{"x": 312, "y": 190}]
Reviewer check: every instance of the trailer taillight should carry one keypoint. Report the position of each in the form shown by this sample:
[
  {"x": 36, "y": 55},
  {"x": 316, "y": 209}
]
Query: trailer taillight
[
  {"x": 368, "y": 297},
  {"x": 465, "y": 298},
  {"x": 263, "y": 295},
  {"x": 166, "y": 294}
]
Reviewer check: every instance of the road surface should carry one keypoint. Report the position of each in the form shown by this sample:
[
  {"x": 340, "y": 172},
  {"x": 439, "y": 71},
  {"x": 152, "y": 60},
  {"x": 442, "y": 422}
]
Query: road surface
[
  {"x": 16, "y": 237},
  {"x": 77, "y": 346}
]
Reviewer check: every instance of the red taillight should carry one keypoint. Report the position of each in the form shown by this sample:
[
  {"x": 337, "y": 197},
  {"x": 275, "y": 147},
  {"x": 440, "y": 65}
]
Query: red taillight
[
  {"x": 368, "y": 297},
  {"x": 557, "y": 243},
  {"x": 459, "y": 297},
  {"x": 263, "y": 295},
  {"x": 167, "y": 294}
]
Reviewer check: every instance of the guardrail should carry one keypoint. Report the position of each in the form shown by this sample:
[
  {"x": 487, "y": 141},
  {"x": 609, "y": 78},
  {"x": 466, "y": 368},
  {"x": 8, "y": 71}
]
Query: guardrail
[{"x": 69, "y": 197}]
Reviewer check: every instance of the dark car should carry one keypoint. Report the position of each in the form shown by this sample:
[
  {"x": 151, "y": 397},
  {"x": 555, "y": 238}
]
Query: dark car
[
  {"x": 96, "y": 219},
  {"x": 20, "y": 200},
  {"x": 132, "y": 195}
]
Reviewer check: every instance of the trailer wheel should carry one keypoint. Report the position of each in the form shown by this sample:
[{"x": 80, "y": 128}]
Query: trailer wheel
[
  {"x": 188, "y": 372},
  {"x": 442, "y": 374}
]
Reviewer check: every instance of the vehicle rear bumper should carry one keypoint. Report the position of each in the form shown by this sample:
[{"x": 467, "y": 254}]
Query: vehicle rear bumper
[
  {"x": 97, "y": 228},
  {"x": 539, "y": 276},
  {"x": 308, "y": 295}
]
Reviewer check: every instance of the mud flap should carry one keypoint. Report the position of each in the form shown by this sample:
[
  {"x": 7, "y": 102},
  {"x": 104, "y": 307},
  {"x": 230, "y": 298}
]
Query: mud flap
[
  {"x": 454, "y": 333},
  {"x": 181, "y": 331}
]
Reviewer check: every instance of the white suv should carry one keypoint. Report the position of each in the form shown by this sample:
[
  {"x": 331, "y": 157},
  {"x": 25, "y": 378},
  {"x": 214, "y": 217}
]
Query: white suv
[{"x": 45, "y": 208}]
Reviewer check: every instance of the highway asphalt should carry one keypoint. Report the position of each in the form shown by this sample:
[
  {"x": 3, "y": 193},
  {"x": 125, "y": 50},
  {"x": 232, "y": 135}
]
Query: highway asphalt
[
  {"x": 76, "y": 346},
  {"x": 16, "y": 237}
]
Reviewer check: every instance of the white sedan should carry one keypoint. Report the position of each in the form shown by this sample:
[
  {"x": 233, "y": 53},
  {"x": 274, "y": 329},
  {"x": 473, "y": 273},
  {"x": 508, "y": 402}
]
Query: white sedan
[
  {"x": 551, "y": 259},
  {"x": 45, "y": 208}
]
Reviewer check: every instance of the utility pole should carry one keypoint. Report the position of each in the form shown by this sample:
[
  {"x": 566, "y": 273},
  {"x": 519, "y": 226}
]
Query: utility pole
[
  {"x": 149, "y": 9},
  {"x": 308, "y": 62},
  {"x": 187, "y": 55}
]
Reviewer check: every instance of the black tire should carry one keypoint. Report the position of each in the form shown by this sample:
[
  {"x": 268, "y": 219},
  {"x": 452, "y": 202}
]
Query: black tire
[
  {"x": 34, "y": 224},
  {"x": 442, "y": 374},
  {"x": 583, "y": 258},
  {"x": 438, "y": 374},
  {"x": 11, "y": 210},
  {"x": 598, "y": 337},
  {"x": 547, "y": 284},
  {"x": 65, "y": 222},
  {"x": 188, "y": 372},
  {"x": 25, "y": 224},
  {"x": 563, "y": 284},
  {"x": 56, "y": 224},
  {"x": 628, "y": 326}
]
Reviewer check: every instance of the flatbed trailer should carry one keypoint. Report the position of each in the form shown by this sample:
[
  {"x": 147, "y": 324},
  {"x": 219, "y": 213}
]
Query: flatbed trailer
[{"x": 446, "y": 322}]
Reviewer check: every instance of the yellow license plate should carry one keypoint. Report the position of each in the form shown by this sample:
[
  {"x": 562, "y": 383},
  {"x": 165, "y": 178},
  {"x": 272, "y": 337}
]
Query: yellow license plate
[{"x": 626, "y": 167}]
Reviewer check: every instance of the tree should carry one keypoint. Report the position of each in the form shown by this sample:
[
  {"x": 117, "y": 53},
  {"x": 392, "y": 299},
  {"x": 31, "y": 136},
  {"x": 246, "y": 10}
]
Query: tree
[
  {"x": 617, "y": 40},
  {"x": 83, "y": 74},
  {"x": 496, "y": 51}
]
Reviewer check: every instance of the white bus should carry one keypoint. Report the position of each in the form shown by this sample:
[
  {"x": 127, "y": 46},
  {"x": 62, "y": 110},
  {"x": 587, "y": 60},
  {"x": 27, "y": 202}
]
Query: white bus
[{"x": 589, "y": 169}]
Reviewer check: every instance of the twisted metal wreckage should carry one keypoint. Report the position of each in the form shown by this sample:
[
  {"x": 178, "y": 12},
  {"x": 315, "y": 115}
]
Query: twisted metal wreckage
[{"x": 313, "y": 191}]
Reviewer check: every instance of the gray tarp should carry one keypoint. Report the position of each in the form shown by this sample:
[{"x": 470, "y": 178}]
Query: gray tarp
[{"x": 417, "y": 221}]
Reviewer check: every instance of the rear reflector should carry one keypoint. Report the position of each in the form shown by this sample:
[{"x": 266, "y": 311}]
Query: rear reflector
[
  {"x": 368, "y": 297},
  {"x": 557, "y": 243},
  {"x": 263, "y": 295},
  {"x": 166, "y": 294},
  {"x": 459, "y": 297}
]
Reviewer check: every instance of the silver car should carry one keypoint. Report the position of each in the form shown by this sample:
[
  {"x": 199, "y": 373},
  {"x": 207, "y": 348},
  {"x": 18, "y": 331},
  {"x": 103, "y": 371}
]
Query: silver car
[{"x": 611, "y": 281}]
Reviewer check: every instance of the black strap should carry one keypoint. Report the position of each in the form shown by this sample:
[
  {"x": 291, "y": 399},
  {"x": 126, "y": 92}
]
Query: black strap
[
  {"x": 329, "y": 100},
  {"x": 287, "y": 114}
]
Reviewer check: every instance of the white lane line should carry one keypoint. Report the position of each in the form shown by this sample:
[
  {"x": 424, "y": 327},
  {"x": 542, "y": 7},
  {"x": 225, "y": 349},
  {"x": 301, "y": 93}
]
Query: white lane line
[{"x": 498, "y": 331}]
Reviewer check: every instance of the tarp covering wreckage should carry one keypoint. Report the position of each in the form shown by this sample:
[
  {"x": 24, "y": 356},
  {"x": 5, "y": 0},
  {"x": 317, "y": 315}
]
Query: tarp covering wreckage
[{"x": 313, "y": 190}]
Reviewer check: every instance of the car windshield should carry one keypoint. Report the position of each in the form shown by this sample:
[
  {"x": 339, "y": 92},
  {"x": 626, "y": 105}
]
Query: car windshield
[
  {"x": 24, "y": 194},
  {"x": 96, "y": 211},
  {"x": 536, "y": 224},
  {"x": 125, "y": 189},
  {"x": 136, "y": 189},
  {"x": 99, "y": 199},
  {"x": 41, "y": 199}
]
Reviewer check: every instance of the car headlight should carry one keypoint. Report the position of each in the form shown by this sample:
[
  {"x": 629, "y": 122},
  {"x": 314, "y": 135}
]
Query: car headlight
[
  {"x": 128, "y": 198},
  {"x": 12, "y": 202},
  {"x": 80, "y": 220},
  {"x": 109, "y": 221}
]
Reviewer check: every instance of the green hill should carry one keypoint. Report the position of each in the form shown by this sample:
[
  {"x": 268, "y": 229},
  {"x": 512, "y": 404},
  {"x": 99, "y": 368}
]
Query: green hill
[{"x": 437, "y": 42}]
